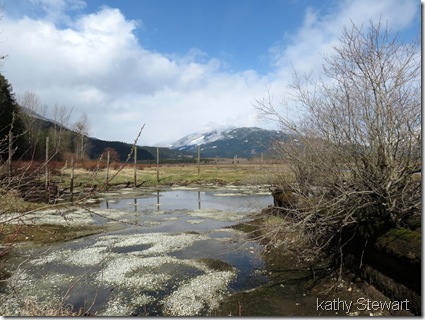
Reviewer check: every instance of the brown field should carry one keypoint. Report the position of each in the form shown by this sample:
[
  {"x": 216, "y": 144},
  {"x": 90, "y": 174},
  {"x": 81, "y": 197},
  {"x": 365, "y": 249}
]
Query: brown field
[{"x": 222, "y": 173}]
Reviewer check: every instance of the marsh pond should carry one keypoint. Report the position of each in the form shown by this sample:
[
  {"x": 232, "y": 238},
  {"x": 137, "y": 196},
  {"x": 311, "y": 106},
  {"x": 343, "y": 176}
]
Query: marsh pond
[
  {"x": 163, "y": 252},
  {"x": 171, "y": 252}
]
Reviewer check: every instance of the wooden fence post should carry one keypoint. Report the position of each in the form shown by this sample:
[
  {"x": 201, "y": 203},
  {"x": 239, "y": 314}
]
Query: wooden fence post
[
  {"x": 135, "y": 164},
  {"x": 199, "y": 158},
  {"x": 47, "y": 164},
  {"x": 9, "y": 157},
  {"x": 64, "y": 168},
  {"x": 157, "y": 165},
  {"x": 71, "y": 188},
  {"x": 107, "y": 168}
]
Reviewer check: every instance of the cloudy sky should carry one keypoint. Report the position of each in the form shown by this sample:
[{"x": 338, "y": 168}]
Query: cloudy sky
[{"x": 176, "y": 66}]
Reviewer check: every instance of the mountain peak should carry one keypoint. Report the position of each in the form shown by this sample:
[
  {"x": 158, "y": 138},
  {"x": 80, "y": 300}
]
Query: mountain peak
[
  {"x": 203, "y": 136},
  {"x": 228, "y": 142}
]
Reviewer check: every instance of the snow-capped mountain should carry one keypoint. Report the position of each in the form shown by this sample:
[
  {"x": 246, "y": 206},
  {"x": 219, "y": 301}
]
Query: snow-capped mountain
[
  {"x": 200, "y": 137},
  {"x": 229, "y": 142}
]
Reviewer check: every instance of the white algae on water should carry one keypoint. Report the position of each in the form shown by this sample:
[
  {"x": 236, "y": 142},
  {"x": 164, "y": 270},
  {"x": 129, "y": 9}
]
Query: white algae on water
[{"x": 140, "y": 273}]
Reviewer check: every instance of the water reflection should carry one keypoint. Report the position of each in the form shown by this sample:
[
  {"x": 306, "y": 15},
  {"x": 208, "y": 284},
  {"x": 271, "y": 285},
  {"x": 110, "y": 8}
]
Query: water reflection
[{"x": 167, "y": 201}]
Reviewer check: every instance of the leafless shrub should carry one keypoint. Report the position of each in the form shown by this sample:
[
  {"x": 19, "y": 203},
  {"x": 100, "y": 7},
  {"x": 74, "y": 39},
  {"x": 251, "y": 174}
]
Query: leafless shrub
[{"x": 355, "y": 149}]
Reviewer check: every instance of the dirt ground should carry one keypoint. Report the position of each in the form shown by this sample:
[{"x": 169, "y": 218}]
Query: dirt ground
[
  {"x": 295, "y": 290},
  {"x": 291, "y": 293}
]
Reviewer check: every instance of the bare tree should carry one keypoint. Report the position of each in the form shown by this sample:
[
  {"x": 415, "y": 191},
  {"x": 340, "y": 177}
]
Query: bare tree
[
  {"x": 61, "y": 116},
  {"x": 33, "y": 110},
  {"x": 355, "y": 152},
  {"x": 82, "y": 127}
]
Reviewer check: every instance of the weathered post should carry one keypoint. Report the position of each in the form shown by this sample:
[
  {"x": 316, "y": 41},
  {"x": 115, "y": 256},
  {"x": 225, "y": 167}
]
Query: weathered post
[
  {"x": 9, "y": 158},
  {"x": 135, "y": 164},
  {"x": 157, "y": 164},
  {"x": 108, "y": 155},
  {"x": 46, "y": 172},
  {"x": 71, "y": 187},
  {"x": 199, "y": 159},
  {"x": 64, "y": 168},
  {"x": 47, "y": 164}
]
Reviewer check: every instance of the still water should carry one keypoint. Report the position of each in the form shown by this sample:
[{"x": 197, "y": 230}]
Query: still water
[
  {"x": 190, "y": 200},
  {"x": 189, "y": 210},
  {"x": 175, "y": 255}
]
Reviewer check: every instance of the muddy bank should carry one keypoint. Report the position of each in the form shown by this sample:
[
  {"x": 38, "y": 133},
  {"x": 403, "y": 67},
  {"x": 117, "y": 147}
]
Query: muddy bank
[
  {"x": 295, "y": 289},
  {"x": 391, "y": 262}
]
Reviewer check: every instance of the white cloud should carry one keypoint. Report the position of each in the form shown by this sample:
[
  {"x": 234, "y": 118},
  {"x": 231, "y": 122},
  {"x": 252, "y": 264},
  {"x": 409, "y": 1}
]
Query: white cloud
[
  {"x": 96, "y": 64},
  {"x": 99, "y": 67},
  {"x": 305, "y": 48}
]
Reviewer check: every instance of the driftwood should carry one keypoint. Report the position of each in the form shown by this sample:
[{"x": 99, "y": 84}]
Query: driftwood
[
  {"x": 36, "y": 191},
  {"x": 284, "y": 198}
]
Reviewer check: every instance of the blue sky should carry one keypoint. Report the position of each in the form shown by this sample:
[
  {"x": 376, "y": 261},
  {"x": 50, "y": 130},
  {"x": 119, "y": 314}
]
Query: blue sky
[
  {"x": 178, "y": 66},
  {"x": 237, "y": 32}
]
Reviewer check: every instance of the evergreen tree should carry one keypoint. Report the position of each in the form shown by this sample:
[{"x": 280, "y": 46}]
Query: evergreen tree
[{"x": 10, "y": 121}]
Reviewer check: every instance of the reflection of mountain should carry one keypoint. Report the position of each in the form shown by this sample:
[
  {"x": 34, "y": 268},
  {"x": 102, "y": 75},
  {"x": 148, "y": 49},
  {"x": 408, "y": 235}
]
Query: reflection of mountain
[{"x": 243, "y": 142}]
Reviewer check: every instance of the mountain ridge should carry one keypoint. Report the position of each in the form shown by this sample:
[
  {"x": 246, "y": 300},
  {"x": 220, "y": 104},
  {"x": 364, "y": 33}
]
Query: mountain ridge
[
  {"x": 219, "y": 142},
  {"x": 242, "y": 142}
]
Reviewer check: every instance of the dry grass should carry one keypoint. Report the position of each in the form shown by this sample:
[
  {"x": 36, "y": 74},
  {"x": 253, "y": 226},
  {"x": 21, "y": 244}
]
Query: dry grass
[
  {"x": 11, "y": 201},
  {"x": 185, "y": 174},
  {"x": 93, "y": 173}
]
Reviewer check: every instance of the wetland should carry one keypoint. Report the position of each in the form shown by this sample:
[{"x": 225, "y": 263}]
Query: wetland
[
  {"x": 161, "y": 252},
  {"x": 173, "y": 251}
]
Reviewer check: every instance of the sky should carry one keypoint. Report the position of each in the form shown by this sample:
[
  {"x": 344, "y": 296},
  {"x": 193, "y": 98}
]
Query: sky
[{"x": 177, "y": 66}]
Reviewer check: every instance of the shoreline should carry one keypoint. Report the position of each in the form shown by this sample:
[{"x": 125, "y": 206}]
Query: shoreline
[{"x": 320, "y": 294}]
